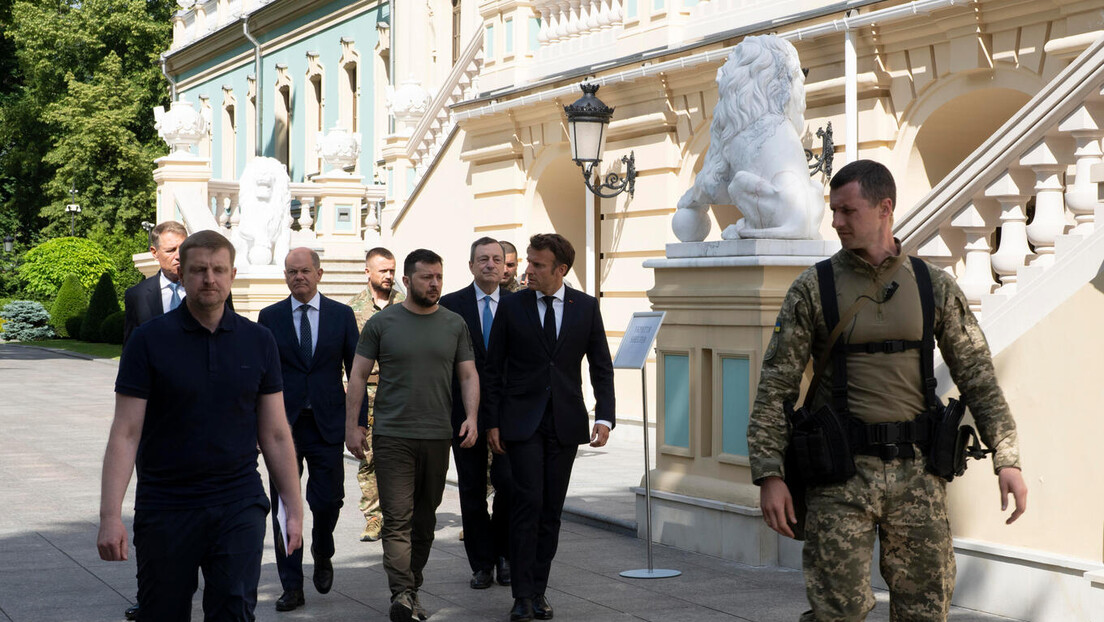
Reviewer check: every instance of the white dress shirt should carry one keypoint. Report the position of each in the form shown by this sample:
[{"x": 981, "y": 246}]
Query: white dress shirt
[
  {"x": 557, "y": 311},
  {"x": 312, "y": 316},
  {"x": 166, "y": 291}
]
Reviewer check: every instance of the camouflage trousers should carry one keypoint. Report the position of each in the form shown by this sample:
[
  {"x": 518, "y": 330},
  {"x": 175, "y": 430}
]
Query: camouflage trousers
[
  {"x": 907, "y": 508},
  {"x": 366, "y": 477}
]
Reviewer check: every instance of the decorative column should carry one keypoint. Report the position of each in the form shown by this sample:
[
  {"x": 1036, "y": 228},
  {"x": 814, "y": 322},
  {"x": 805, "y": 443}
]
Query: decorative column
[
  {"x": 1082, "y": 197},
  {"x": 1050, "y": 210},
  {"x": 977, "y": 273},
  {"x": 1014, "y": 251}
]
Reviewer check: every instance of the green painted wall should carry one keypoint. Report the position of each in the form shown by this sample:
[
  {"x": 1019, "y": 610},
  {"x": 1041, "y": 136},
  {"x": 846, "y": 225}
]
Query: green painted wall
[{"x": 360, "y": 28}]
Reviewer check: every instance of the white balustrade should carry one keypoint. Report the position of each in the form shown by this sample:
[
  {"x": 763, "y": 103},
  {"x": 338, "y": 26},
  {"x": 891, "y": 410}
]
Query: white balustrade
[
  {"x": 1049, "y": 220},
  {"x": 936, "y": 252},
  {"x": 1014, "y": 251},
  {"x": 1084, "y": 125},
  {"x": 976, "y": 278}
]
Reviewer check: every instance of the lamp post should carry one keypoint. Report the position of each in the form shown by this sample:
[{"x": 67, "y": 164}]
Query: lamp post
[
  {"x": 587, "y": 120},
  {"x": 73, "y": 209},
  {"x": 9, "y": 242}
]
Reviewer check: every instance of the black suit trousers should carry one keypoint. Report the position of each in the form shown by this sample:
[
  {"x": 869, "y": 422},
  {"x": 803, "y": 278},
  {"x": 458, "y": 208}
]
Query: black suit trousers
[
  {"x": 486, "y": 535},
  {"x": 325, "y": 494},
  {"x": 541, "y": 467}
]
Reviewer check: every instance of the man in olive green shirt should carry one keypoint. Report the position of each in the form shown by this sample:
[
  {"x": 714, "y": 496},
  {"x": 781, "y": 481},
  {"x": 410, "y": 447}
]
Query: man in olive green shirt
[
  {"x": 419, "y": 345},
  {"x": 379, "y": 265}
]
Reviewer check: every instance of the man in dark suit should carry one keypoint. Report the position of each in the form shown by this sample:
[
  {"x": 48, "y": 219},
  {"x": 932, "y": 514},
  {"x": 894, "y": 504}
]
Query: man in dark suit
[
  {"x": 316, "y": 337},
  {"x": 486, "y": 536},
  {"x": 534, "y": 407},
  {"x": 163, "y": 291}
]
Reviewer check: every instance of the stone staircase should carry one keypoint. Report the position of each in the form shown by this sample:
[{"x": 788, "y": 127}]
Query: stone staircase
[
  {"x": 1043, "y": 165},
  {"x": 343, "y": 278}
]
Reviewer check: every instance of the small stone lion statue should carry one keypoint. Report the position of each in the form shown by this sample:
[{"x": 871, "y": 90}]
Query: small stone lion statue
[
  {"x": 263, "y": 235},
  {"x": 756, "y": 160}
]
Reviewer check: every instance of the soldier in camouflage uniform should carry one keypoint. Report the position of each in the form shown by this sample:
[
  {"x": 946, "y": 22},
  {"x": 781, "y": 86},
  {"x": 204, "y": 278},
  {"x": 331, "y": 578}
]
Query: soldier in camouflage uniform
[
  {"x": 895, "y": 498},
  {"x": 379, "y": 265},
  {"x": 509, "y": 276}
]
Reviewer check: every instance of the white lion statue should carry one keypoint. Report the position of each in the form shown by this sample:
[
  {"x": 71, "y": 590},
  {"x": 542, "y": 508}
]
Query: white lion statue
[
  {"x": 264, "y": 198},
  {"x": 756, "y": 160}
]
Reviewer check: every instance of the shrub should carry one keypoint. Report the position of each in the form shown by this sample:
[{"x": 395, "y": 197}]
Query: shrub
[
  {"x": 26, "y": 320},
  {"x": 103, "y": 304},
  {"x": 71, "y": 300},
  {"x": 73, "y": 325},
  {"x": 111, "y": 331},
  {"x": 45, "y": 266}
]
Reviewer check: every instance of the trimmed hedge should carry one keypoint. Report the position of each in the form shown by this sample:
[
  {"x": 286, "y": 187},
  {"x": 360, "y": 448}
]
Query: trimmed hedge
[
  {"x": 111, "y": 331},
  {"x": 73, "y": 325},
  {"x": 25, "y": 320},
  {"x": 103, "y": 304},
  {"x": 71, "y": 301}
]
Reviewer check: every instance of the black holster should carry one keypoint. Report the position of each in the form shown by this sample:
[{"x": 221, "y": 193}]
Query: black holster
[
  {"x": 820, "y": 450},
  {"x": 951, "y": 442}
]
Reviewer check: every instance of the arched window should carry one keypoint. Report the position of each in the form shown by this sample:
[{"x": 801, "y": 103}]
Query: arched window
[{"x": 315, "y": 117}]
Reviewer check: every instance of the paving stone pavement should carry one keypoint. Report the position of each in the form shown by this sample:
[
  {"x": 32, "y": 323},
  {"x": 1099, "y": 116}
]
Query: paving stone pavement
[{"x": 55, "y": 412}]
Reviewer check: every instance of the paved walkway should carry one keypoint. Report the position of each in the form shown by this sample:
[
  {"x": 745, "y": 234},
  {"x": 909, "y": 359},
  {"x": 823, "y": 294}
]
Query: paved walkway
[{"x": 55, "y": 412}]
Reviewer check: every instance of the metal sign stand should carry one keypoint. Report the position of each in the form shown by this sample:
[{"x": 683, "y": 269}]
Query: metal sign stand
[{"x": 639, "y": 336}]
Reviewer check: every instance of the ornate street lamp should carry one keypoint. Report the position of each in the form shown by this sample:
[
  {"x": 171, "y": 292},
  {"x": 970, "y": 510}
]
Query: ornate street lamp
[
  {"x": 587, "y": 121},
  {"x": 73, "y": 209},
  {"x": 8, "y": 243}
]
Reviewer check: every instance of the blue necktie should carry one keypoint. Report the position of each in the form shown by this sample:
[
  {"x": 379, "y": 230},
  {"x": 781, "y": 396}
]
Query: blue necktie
[
  {"x": 305, "y": 342},
  {"x": 488, "y": 319},
  {"x": 174, "y": 302}
]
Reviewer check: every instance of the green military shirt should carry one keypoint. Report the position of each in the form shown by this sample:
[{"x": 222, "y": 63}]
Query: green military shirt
[
  {"x": 364, "y": 306},
  {"x": 881, "y": 387}
]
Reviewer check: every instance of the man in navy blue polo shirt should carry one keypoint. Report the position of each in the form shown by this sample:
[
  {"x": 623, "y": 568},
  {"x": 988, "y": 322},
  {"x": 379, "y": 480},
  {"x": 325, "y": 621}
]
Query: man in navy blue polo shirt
[{"x": 191, "y": 423}]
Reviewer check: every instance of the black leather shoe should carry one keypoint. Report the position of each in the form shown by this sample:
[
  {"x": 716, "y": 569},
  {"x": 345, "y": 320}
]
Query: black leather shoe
[
  {"x": 502, "y": 571},
  {"x": 522, "y": 611},
  {"x": 131, "y": 613},
  {"x": 291, "y": 599},
  {"x": 542, "y": 610},
  {"x": 323, "y": 575},
  {"x": 481, "y": 580}
]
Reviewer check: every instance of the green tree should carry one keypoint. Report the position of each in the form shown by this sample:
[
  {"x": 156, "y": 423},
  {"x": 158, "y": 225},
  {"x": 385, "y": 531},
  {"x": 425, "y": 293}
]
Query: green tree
[
  {"x": 76, "y": 101},
  {"x": 71, "y": 301},
  {"x": 45, "y": 266},
  {"x": 103, "y": 304}
]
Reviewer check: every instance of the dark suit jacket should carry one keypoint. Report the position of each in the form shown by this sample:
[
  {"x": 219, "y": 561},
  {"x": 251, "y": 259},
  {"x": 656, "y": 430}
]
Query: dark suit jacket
[
  {"x": 463, "y": 303},
  {"x": 524, "y": 370},
  {"x": 320, "y": 378},
  {"x": 142, "y": 303}
]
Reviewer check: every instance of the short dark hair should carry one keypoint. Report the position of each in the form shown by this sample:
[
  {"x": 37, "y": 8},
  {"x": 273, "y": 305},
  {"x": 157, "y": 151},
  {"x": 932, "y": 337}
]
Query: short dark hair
[
  {"x": 482, "y": 242},
  {"x": 875, "y": 181},
  {"x": 561, "y": 249},
  {"x": 508, "y": 248},
  {"x": 420, "y": 255},
  {"x": 378, "y": 251},
  {"x": 169, "y": 226},
  {"x": 210, "y": 240}
]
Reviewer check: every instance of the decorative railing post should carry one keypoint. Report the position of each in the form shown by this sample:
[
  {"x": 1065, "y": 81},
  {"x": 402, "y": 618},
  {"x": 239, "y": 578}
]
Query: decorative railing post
[
  {"x": 976, "y": 279},
  {"x": 1081, "y": 196},
  {"x": 936, "y": 252},
  {"x": 1013, "y": 251},
  {"x": 1049, "y": 221}
]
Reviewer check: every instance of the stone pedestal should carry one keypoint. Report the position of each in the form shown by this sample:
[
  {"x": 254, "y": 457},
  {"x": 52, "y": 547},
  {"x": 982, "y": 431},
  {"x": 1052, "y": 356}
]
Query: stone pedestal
[
  {"x": 256, "y": 287},
  {"x": 337, "y": 222},
  {"x": 181, "y": 180},
  {"x": 721, "y": 299}
]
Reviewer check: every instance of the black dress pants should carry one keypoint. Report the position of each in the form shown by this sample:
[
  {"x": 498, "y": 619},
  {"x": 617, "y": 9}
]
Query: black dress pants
[
  {"x": 224, "y": 541},
  {"x": 541, "y": 467},
  {"x": 486, "y": 535},
  {"x": 325, "y": 494}
]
